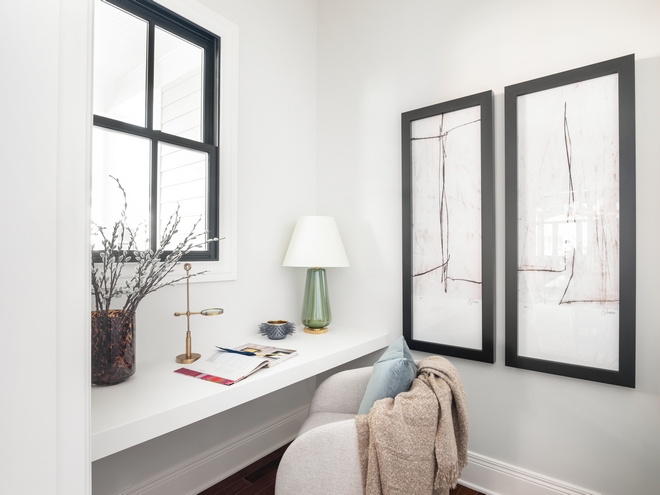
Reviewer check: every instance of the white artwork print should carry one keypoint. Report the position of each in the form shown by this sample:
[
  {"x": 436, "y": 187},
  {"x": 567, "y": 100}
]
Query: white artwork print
[
  {"x": 568, "y": 223},
  {"x": 446, "y": 232}
]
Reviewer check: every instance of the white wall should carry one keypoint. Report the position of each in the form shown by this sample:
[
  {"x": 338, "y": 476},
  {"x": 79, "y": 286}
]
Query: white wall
[
  {"x": 369, "y": 60},
  {"x": 44, "y": 373},
  {"x": 44, "y": 196},
  {"x": 276, "y": 182},
  {"x": 380, "y": 58},
  {"x": 32, "y": 269}
]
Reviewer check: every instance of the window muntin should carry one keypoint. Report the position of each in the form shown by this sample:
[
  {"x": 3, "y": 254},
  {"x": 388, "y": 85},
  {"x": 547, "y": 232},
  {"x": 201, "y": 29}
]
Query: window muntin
[{"x": 181, "y": 90}]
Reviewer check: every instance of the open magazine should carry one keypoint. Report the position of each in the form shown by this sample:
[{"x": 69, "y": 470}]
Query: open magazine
[{"x": 228, "y": 368}]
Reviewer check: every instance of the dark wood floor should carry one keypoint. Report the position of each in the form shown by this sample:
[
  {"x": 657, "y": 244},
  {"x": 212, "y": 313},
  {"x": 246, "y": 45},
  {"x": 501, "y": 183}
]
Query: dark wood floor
[
  {"x": 259, "y": 479},
  {"x": 464, "y": 490}
]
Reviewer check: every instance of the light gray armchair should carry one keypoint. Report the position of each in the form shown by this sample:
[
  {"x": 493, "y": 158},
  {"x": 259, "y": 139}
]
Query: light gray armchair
[{"x": 324, "y": 459}]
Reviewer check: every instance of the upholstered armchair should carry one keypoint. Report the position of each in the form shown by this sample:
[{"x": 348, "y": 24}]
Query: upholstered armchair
[
  {"x": 406, "y": 442},
  {"x": 323, "y": 459}
]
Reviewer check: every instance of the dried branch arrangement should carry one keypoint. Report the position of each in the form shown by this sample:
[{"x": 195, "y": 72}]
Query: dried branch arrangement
[{"x": 151, "y": 267}]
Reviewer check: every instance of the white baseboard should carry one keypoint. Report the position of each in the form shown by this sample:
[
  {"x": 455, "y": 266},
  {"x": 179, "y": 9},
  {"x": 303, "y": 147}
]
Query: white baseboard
[
  {"x": 494, "y": 477},
  {"x": 198, "y": 473},
  {"x": 482, "y": 473}
]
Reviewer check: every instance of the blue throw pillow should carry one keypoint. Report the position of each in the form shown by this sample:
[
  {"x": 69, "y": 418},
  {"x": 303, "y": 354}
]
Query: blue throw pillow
[{"x": 393, "y": 373}]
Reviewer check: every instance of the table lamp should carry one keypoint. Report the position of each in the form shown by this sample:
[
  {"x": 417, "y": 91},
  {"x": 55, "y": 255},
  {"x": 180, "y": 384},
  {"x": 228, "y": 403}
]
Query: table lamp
[{"x": 316, "y": 244}]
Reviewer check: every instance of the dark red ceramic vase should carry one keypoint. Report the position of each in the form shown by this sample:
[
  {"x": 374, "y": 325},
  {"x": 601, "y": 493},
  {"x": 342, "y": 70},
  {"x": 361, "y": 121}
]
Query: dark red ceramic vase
[{"x": 113, "y": 347}]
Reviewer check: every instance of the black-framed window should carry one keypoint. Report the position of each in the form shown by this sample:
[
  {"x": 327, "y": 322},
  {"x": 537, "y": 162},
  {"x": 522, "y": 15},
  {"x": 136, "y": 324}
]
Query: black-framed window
[{"x": 156, "y": 78}]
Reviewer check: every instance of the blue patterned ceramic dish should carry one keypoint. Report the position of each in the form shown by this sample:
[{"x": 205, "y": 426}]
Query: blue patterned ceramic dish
[{"x": 277, "y": 329}]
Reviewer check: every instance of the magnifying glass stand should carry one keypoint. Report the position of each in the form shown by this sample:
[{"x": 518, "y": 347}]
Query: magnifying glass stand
[{"x": 189, "y": 356}]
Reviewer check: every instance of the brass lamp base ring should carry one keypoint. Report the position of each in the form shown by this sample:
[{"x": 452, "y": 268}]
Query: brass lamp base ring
[
  {"x": 183, "y": 359},
  {"x": 316, "y": 331}
]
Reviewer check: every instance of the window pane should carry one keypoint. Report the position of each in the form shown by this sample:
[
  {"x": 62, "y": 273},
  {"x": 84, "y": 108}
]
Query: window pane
[
  {"x": 120, "y": 53},
  {"x": 183, "y": 182},
  {"x": 127, "y": 158},
  {"x": 178, "y": 86}
]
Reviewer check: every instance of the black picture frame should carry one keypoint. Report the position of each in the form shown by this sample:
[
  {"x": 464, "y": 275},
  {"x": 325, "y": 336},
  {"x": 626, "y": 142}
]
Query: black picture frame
[
  {"x": 585, "y": 82},
  {"x": 480, "y": 148}
]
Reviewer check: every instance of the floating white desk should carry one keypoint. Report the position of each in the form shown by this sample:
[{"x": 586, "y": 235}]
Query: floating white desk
[{"x": 156, "y": 401}]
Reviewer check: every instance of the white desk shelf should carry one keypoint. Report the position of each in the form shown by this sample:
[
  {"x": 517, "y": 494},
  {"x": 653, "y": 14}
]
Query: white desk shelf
[{"x": 156, "y": 401}]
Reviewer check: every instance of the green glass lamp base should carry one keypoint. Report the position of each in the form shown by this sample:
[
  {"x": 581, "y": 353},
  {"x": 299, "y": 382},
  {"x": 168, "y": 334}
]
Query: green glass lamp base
[{"x": 316, "y": 314}]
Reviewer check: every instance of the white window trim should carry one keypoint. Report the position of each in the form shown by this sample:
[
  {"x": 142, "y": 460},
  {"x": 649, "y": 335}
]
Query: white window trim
[{"x": 226, "y": 268}]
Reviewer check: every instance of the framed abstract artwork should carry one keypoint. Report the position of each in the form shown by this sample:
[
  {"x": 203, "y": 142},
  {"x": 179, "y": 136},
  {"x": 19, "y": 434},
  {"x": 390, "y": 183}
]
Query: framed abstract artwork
[
  {"x": 448, "y": 228},
  {"x": 570, "y": 223}
]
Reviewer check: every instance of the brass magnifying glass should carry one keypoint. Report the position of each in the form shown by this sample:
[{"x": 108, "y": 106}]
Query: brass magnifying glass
[{"x": 189, "y": 356}]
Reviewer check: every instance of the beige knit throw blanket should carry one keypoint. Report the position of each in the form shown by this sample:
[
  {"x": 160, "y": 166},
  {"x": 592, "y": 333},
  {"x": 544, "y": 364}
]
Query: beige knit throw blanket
[{"x": 416, "y": 444}]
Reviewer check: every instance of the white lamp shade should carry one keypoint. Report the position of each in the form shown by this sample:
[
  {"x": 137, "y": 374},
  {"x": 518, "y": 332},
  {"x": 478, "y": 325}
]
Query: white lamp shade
[{"x": 316, "y": 243}]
